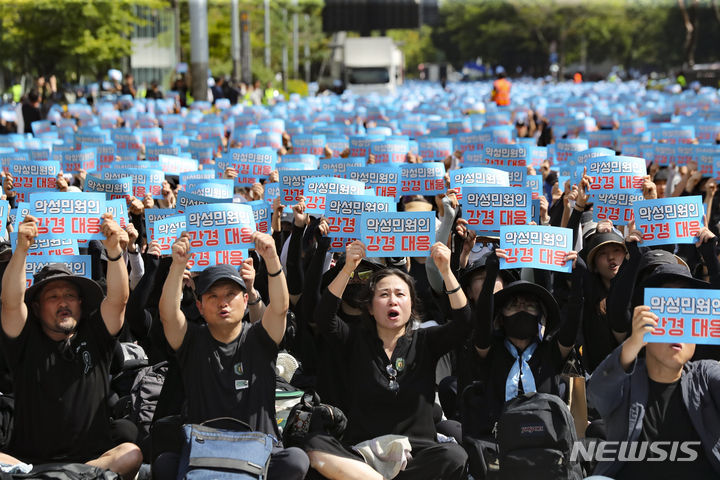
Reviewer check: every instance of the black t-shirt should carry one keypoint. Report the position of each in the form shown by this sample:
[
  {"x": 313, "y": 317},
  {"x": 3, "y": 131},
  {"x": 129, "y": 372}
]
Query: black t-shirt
[
  {"x": 667, "y": 419},
  {"x": 61, "y": 392},
  {"x": 235, "y": 379},
  {"x": 30, "y": 114},
  {"x": 373, "y": 408}
]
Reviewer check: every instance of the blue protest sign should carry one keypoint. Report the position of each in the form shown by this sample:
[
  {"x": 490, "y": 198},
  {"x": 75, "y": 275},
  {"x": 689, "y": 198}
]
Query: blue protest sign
[
  {"x": 564, "y": 148},
  {"x": 186, "y": 199},
  {"x": 536, "y": 246},
  {"x": 422, "y": 179},
  {"x": 503, "y": 155},
  {"x": 262, "y": 211},
  {"x": 579, "y": 159},
  {"x": 46, "y": 168},
  {"x": 91, "y": 138},
  {"x": 478, "y": 176},
  {"x": 272, "y": 191},
  {"x": 399, "y": 234},
  {"x": 316, "y": 190},
  {"x": 270, "y": 139},
  {"x": 390, "y": 150},
  {"x": 360, "y": 144},
  {"x": 435, "y": 148},
  {"x": 311, "y": 161},
  {"x": 166, "y": 230},
  {"x": 707, "y": 132},
  {"x": 217, "y": 188},
  {"x": 118, "y": 209},
  {"x": 292, "y": 183},
  {"x": 309, "y": 143},
  {"x": 49, "y": 244},
  {"x": 251, "y": 164},
  {"x": 79, "y": 265},
  {"x": 153, "y": 152},
  {"x": 175, "y": 164},
  {"x": 684, "y": 315},
  {"x": 674, "y": 134},
  {"x": 341, "y": 165},
  {"x": 488, "y": 208},
  {"x": 37, "y": 154},
  {"x": 4, "y": 215},
  {"x": 41, "y": 126},
  {"x": 126, "y": 140},
  {"x": 144, "y": 181},
  {"x": 665, "y": 221},
  {"x": 220, "y": 227},
  {"x": 185, "y": 177},
  {"x": 199, "y": 261},
  {"x": 272, "y": 125},
  {"x": 6, "y": 158},
  {"x": 602, "y": 138},
  {"x": 343, "y": 212},
  {"x": 615, "y": 206},
  {"x": 152, "y": 215},
  {"x": 384, "y": 179},
  {"x": 74, "y": 215},
  {"x": 615, "y": 165},
  {"x": 85, "y": 159},
  {"x": 337, "y": 144},
  {"x": 113, "y": 188},
  {"x": 535, "y": 183},
  {"x": 24, "y": 185}
]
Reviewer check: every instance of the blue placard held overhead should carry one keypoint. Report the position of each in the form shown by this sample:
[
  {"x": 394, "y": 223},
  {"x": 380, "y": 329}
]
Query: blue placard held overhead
[
  {"x": 666, "y": 221},
  {"x": 400, "y": 234},
  {"x": 489, "y": 208},
  {"x": 224, "y": 226},
  {"x": 536, "y": 246},
  {"x": 684, "y": 315}
]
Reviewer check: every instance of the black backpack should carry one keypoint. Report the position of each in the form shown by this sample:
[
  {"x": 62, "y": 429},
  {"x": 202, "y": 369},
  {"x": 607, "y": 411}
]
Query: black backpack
[
  {"x": 536, "y": 434},
  {"x": 145, "y": 393},
  {"x": 312, "y": 416},
  {"x": 63, "y": 471}
]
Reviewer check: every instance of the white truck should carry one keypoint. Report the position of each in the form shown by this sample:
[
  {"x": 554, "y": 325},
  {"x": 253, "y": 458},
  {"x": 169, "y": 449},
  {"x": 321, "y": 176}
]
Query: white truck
[{"x": 366, "y": 64}]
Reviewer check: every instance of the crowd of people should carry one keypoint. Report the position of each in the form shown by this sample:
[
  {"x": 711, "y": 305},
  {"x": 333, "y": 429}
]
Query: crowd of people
[{"x": 422, "y": 354}]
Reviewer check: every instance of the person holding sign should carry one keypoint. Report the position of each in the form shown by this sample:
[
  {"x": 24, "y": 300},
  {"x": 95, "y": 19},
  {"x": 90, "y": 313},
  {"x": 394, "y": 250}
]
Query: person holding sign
[
  {"x": 521, "y": 345},
  {"x": 661, "y": 398},
  {"x": 228, "y": 355},
  {"x": 389, "y": 373},
  {"x": 59, "y": 338}
]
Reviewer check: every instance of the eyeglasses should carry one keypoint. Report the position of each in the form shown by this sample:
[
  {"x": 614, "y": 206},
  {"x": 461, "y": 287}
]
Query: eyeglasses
[
  {"x": 531, "y": 306},
  {"x": 393, "y": 385}
]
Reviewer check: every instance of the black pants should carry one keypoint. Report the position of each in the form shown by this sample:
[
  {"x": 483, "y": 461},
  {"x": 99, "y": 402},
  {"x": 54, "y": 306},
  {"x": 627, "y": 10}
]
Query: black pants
[
  {"x": 436, "y": 461},
  {"x": 285, "y": 464}
]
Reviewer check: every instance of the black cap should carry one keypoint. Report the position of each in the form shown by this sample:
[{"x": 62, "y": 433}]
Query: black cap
[
  {"x": 653, "y": 258},
  {"x": 673, "y": 273},
  {"x": 213, "y": 274},
  {"x": 90, "y": 292}
]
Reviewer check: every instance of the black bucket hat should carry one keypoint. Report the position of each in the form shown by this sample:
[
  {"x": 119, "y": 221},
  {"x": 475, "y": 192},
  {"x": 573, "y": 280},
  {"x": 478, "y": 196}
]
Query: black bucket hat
[
  {"x": 598, "y": 240},
  {"x": 215, "y": 273},
  {"x": 673, "y": 273},
  {"x": 651, "y": 259},
  {"x": 522, "y": 287},
  {"x": 90, "y": 292}
]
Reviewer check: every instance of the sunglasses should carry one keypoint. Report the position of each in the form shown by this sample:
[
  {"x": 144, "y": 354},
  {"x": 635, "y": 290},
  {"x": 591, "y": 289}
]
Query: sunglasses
[
  {"x": 393, "y": 385},
  {"x": 363, "y": 276}
]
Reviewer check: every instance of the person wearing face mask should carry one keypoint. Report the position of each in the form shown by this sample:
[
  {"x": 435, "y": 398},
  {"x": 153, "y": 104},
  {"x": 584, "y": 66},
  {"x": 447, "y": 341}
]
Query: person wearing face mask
[
  {"x": 389, "y": 374},
  {"x": 521, "y": 342}
]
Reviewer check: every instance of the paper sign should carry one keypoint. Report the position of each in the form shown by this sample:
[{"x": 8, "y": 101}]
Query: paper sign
[
  {"x": 292, "y": 183},
  {"x": 186, "y": 199},
  {"x": 488, "y": 208},
  {"x": 199, "y": 261},
  {"x": 251, "y": 164},
  {"x": 341, "y": 165},
  {"x": 478, "y": 176},
  {"x": 144, "y": 181},
  {"x": 616, "y": 207},
  {"x": 433, "y": 149},
  {"x": 152, "y": 215},
  {"x": 385, "y": 179},
  {"x": 118, "y": 209},
  {"x": 343, "y": 212},
  {"x": 79, "y": 265},
  {"x": 166, "y": 230},
  {"x": 216, "y": 188},
  {"x": 400, "y": 234},
  {"x": 496, "y": 154},
  {"x": 685, "y": 315},
  {"x": 262, "y": 211},
  {"x": 49, "y": 244},
  {"x": 47, "y": 168},
  {"x": 74, "y": 215},
  {"x": 316, "y": 190},
  {"x": 472, "y": 142},
  {"x": 390, "y": 150},
  {"x": 309, "y": 143},
  {"x": 536, "y": 246},
  {"x": 199, "y": 175},
  {"x": 114, "y": 188},
  {"x": 360, "y": 144},
  {"x": 669, "y": 220},
  {"x": 24, "y": 185},
  {"x": 423, "y": 179},
  {"x": 174, "y": 164},
  {"x": 224, "y": 226}
]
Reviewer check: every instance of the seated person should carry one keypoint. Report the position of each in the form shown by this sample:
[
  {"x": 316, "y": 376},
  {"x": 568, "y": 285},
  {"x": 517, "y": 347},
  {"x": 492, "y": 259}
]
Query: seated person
[
  {"x": 227, "y": 365},
  {"x": 660, "y": 398},
  {"x": 60, "y": 358}
]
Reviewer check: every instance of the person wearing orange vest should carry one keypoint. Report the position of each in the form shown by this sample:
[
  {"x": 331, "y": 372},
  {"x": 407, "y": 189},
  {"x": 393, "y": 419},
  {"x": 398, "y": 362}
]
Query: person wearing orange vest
[{"x": 501, "y": 90}]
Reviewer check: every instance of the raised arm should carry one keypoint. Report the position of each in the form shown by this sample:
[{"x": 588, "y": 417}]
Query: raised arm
[
  {"x": 255, "y": 303},
  {"x": 14, "y": 310},
  {"x": 275, "y": 316},
  {"x": 118, "y": 286},
  {"x": 171, "y": 316}
]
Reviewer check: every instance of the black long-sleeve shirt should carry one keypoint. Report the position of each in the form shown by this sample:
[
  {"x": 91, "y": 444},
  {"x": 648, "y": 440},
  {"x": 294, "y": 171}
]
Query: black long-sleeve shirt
[{"x": 373, "y": 409}]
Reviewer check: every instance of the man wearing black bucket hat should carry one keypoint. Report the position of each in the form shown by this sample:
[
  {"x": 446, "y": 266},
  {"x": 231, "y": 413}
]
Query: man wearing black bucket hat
[
  {"x": 59, "y": 343},
  {"x": 227, "y": 365},
  {"x": 662, "y": 398}
]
